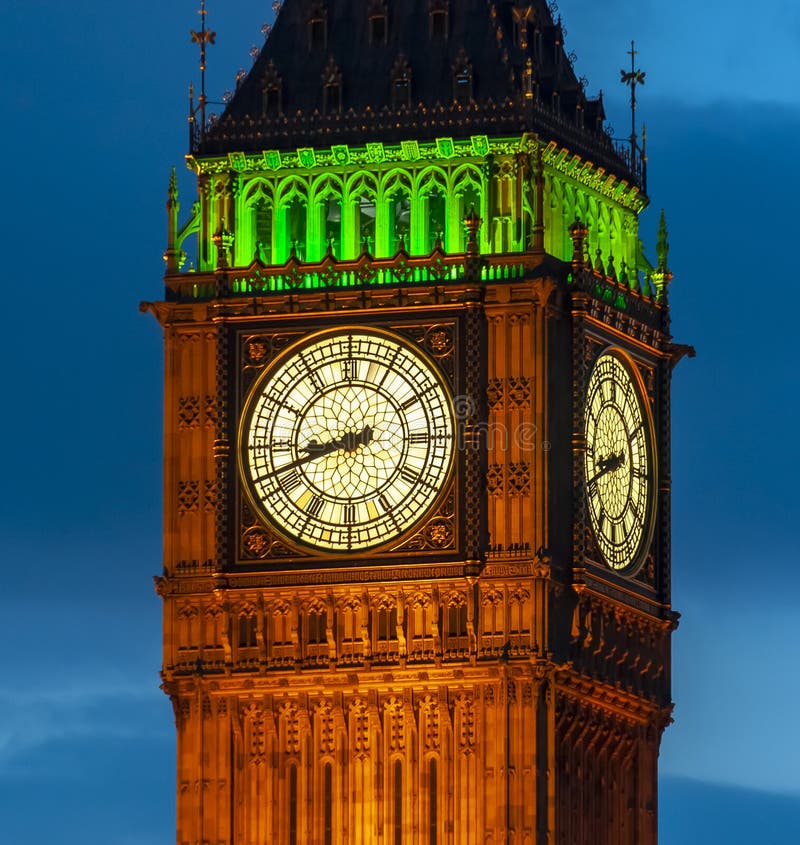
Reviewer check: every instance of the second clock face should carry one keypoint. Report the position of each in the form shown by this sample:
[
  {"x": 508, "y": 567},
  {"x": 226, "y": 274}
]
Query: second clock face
[
  {"x": 346, "y": 441},
  {"x": 619, "y": 462}
]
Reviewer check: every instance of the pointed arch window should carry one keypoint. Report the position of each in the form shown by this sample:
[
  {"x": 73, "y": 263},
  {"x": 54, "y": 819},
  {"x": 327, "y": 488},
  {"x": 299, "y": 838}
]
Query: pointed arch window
[
  {"x": 318, "y": 27},
  {"x": 401, "y": 84},
  {"x": 327, "y": 804},
  {"x": 438, "y": 20},
  {"x": 272, "y": 92},
  {"x": 433, "y": 807},
  {"x": 397, "y": 809},
  {"x": 248, "y": 631},
  {"x": 331, "y": 88},
  {"x": 462, "y": 80},
  {"x": 317, "y": 623},
  {"x": 387, "y": 624},
  {"x": 378, "y": 23},
  {"x": 262, "y": 227},
  {"x": 292, "y": 805}
]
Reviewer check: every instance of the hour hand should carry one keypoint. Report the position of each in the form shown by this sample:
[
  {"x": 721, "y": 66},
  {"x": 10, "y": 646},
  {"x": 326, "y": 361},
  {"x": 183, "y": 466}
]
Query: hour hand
[
  {"x": 317, "y": 450},
  {"x": 609, "y": 464}
]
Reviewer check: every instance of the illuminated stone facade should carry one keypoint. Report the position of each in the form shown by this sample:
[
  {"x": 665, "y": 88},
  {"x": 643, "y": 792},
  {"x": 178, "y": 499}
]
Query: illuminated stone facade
[{"x": 486, "y": 677}]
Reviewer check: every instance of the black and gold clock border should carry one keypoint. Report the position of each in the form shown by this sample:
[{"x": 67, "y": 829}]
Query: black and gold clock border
[
  {"x": 434, "y": 351},
  {"x": 454, "y": 530},
  {"x": 644, "y": 398},
  {"x": 648, "y": 346}
]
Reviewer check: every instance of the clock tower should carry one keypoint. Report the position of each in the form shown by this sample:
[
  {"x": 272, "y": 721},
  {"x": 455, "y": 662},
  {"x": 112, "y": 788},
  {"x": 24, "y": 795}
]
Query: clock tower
[{"x": 417, "y": 427}]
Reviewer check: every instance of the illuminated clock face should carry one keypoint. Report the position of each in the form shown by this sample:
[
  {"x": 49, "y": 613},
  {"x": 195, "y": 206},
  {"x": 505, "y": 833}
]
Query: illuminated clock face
[
  {"x": 619, "y": 463},
  {"x": 346, "y": 440}
]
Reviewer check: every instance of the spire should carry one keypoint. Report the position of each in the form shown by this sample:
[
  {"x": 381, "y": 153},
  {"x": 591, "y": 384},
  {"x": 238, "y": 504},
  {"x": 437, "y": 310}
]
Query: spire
[
  {"x": 632, "y": 79},
  {"x": 662, "y": 275},
  {"x": 662, "y": 245},
  {"x": 173, "y": 256},
  {"x": 202, "y": 38}
]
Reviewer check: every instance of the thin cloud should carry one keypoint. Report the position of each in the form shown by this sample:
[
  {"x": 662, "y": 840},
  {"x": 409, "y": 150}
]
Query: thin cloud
[{"x": 31, "y": 720}]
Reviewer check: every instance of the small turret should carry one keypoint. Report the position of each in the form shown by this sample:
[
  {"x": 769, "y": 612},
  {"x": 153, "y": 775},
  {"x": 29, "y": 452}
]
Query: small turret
[
  {"x": 662, "y": 275},
  {"x": 172, "y": 255}
]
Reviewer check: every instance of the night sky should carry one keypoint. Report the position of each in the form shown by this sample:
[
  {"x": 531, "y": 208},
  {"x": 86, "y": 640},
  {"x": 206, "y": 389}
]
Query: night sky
[{"x": 94, "y": 105}]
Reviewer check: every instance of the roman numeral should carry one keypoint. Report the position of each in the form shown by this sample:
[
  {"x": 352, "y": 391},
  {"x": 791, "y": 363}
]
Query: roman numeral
[
  {"x": 409, "y": 475},
  {"x": 410, "y": 402},
  {"x": 350, "y": 369},
  {"x": 289, "y": 480},
  {"x": 312, "y": 373},
  {"x": 419, "y": 437},
  {"x": 314, "y": 507},
  {"x": 348, "y": 514}
]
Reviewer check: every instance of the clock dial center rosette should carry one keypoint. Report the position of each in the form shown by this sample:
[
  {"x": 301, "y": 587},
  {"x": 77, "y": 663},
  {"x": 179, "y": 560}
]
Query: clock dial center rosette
[{"x": 347, "y": 440}]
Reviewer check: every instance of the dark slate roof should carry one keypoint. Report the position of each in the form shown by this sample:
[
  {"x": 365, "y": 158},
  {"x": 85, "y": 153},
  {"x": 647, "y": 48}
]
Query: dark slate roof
[{"x": 483, "y": 31}]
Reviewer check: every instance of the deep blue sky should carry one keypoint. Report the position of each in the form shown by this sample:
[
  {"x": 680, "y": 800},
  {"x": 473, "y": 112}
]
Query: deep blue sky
[{"x": 94, "y": 105}]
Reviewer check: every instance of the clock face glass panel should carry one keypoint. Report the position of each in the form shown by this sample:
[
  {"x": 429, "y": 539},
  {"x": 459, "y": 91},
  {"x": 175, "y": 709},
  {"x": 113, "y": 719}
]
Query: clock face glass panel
[
  {"x": 346, "y": 441},
  {"x": 619, "y": 463}
]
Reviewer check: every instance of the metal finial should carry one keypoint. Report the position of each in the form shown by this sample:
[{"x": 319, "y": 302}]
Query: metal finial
[
  {"x": 203, "y": 38},
  {"x": 632, "y": 78}
]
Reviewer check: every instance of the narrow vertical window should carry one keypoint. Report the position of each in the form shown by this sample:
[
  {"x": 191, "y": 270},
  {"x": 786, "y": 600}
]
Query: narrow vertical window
[
  {"x": 248, "y": 628},
  {"x": 387, "y": 623},
  {"x": 271, "y": 92},
  {"x": 272, "y": 101},
  {"x": 331, "y": 88},
  {"x": 437, "y": 218},
  {"x": 398, "y": 803},
  {"x": 365, "y": 216},
  {"x": 399, "y": 221},
  {"x": 438, "y": 22},
  {"x": 433, "y": 809},
  {"x": 318, "y": 27},
  {"x": 332, "y": 224},
  {"x": 263, "y": 230},
  {"x": 462, "y": 87},
  {"x": 328, "y": 805},
  {"x": 470, "y": 198},
  {"x": 401, "y": 84},
  {"x": 292, "y": 805},
  {"x": 297, "y": 227},
  {"x": 317, "y": 624},
  {"x": 378, "y": 29}
]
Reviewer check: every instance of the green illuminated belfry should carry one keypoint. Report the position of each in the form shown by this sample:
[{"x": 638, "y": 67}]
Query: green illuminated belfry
[{"x": 374, "y": 127}]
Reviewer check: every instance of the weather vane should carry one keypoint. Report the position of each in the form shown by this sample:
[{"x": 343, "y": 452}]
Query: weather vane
[
  {"x": 632, "y": 78},
  {"x": 203, "y": 38}
]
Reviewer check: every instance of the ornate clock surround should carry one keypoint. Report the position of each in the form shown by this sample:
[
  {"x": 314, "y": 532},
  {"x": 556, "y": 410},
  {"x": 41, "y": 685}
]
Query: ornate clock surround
[
  {"x": 640, "y": 337},
  {"x": 454, "y": 340}
]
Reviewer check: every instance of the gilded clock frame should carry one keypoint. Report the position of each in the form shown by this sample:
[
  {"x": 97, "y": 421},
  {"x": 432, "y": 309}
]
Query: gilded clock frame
[
  {"x": 449, "y": 339},
  {"x": 252, "y": 399},
  {"x": 645, "y": 400}
]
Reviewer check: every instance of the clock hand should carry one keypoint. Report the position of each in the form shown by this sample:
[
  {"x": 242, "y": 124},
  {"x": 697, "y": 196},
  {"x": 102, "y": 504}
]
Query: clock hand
[
  {"x": 352, "y": 440},
  {"x": 349, "y": 442},
  {"x": 610, "y": 464}
]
